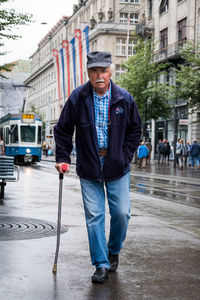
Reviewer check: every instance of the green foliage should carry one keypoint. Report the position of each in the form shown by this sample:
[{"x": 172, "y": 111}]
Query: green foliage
[
  {"x": 9, "y": 19},
  {"x": 141, "y": 79},
  {"x": 188, "y": 75}
]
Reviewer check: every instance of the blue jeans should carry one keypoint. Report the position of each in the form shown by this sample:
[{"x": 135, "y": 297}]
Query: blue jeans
[
  {"x": 93, "y": 193},
  {"x": 196, "y": 158}
]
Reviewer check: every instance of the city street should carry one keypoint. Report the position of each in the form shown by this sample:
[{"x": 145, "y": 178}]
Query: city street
[{"x": 160, "y": 258}]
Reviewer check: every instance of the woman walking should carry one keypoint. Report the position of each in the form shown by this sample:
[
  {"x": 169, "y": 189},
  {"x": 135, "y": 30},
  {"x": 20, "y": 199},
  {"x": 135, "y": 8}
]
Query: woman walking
[
  {"x": 142, "y": 154},
  {"x": 180, "y": 152}
]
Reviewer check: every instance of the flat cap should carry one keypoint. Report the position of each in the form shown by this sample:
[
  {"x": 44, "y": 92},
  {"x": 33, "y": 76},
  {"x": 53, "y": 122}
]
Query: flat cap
[{"x": 98, "y": 59}]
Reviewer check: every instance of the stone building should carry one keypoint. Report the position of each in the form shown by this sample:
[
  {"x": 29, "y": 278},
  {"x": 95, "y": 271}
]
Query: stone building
[
  {"x": 172, "y": 23},
  {"x": 110, "y": 24}
]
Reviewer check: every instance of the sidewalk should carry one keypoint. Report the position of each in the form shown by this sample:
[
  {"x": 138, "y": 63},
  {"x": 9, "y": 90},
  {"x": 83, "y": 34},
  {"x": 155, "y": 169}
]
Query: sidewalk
[{"x": 159, "y": 261}]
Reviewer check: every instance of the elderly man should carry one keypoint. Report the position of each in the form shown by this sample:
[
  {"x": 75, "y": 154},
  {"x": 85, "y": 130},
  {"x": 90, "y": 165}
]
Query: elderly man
[{"x": 108, "y": 130}]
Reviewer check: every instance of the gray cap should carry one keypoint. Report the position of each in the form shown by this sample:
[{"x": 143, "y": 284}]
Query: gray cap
[{"x": 98, "y": 59}]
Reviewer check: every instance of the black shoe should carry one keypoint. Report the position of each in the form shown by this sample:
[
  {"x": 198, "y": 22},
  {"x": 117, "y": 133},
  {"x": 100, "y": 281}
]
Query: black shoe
[
  {"x": 114, "y": 260},
  {"x": 100, "y": 275}
]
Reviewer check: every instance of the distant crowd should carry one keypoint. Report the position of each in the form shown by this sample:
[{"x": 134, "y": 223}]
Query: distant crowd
[{"x": 186, "y": 154}]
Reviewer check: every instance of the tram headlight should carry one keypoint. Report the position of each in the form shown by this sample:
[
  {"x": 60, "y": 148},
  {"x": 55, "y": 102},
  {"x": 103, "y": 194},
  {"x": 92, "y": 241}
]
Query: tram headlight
[{"x": 28, "y": 150}]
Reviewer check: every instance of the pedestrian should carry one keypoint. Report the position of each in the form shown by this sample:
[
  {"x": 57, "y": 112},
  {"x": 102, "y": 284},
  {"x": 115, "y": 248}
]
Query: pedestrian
[
  {"x": 142, "y": 153},
  {"x": 194, "y": 152},
  {"x": 149, "y": 146},
  {"x": 181, "y": 152},
  {"x": 108, "y": 131},
  {"x": 2, "y": 148},
  {"x": 167, "y": 152},
  {"x": 45, "y": 148},
  {"x": 161, "y": 151},
  {"x": 188, "y": 157}
]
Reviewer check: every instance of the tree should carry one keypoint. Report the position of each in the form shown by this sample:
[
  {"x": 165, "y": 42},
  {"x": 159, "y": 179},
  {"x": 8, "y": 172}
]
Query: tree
[
  {"x": 8, "y": 20},
  {"x": 142, "y": 80},
  {"x": 188, "y": 75}
]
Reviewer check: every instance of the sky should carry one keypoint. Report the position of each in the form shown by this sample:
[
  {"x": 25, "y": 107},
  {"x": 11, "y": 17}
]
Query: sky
[{"x": 49, "y": 11}]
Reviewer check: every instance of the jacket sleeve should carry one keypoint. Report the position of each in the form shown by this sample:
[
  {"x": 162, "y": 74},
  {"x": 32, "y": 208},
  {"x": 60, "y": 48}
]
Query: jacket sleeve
[
  {"x": 63, "y": 133},
  {"x": 133, "y": 132}
]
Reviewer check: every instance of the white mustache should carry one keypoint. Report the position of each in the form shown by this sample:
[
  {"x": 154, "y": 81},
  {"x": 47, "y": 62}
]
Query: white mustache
[{"x": 99, "y": 81}]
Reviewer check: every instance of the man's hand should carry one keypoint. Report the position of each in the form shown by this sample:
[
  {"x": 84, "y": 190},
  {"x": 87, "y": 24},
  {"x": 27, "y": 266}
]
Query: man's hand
[{"x": 59, "y": 168}]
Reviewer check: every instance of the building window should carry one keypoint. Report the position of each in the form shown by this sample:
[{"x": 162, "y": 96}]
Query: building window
[
  {"x": 164, "y": 6},
  {"x": 129, "y": 1},
  {"x": 150, "y": 9},
  {"x": 122, "y": 46},
  {"x": 119, "y": 71},
  {"x": 131, "y": 46},
  {"x": 164, "y": 39},
  {"x": 133, "y": 18},
  {"x": 123, "y": 17},
  {"x": 182, "y": 35}
]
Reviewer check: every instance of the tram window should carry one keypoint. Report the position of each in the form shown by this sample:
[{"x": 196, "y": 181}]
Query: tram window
[
  {"x": 27, "y": 133},
  {"x": 14, "y": 134},
  {"x": 39, "y": 139},
  {"x": 7, "y": 136}
]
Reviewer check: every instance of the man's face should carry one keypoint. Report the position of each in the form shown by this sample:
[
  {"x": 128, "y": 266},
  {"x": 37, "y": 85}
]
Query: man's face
[{"x": 100, "y": 78}]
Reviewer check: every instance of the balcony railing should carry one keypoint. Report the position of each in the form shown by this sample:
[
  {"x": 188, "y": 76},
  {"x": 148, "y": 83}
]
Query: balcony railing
[{"x": 171, "y": 51}]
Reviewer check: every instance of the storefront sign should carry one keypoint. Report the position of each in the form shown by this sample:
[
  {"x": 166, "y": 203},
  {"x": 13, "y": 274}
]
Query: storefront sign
[{"x": 183, "y": 122}]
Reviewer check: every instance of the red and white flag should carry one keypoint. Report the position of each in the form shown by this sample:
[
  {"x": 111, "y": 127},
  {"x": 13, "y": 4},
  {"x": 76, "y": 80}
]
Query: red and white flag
[
  {"x": 65, "y": 45},
  {"x": 78, "y": 35}
]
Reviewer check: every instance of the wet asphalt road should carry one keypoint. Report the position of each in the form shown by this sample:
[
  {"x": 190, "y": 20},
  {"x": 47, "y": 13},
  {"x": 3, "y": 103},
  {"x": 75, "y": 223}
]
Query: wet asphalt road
[{"x": 160, "y": 258}]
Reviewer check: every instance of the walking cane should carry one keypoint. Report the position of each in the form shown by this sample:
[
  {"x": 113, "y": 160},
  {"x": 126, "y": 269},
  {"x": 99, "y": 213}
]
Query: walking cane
[{"x": 64, "y": 168}]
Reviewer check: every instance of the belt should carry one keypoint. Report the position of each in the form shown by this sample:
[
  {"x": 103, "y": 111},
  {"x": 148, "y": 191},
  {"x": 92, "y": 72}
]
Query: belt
[{"x": 102, "y": 152}]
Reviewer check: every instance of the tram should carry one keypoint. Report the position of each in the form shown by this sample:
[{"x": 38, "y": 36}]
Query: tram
[{"x": 22, "y": 136}]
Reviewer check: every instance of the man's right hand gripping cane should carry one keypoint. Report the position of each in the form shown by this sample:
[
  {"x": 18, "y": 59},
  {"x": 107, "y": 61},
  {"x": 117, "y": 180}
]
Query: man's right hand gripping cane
[{"x": 62, "y": 167}]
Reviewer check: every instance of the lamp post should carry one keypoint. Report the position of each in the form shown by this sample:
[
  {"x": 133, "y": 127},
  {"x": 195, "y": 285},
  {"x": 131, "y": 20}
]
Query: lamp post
[
  {"x": 175, "y": 120},
  {"x": 175, "y": 130}
]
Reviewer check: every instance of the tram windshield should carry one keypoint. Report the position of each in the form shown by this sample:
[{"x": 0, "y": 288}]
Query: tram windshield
[{"x": 27, "y": 133}]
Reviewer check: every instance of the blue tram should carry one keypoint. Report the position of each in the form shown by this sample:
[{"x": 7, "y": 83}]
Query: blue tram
[{"x": 22, "y": 136}]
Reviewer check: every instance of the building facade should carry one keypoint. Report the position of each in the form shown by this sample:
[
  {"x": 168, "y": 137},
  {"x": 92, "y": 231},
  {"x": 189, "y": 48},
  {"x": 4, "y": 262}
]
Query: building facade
[
  {"x": 173, "y": 23},
  {"x": 109, "y": 23}
]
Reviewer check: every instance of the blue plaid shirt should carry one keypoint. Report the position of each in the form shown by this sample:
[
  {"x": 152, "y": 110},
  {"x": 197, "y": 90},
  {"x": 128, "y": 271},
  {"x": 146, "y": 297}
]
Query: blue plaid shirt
[{"x": 101, "y": 104}]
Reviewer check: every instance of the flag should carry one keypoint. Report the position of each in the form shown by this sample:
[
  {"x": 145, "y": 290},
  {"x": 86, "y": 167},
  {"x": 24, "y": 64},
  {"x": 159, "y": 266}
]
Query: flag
[
  {"x": 55, "y": 54},
  {"x": 86, "y": 31},
  {"x": 63, "y": 72},
  {"x": 78, "y": 35},
  {"x": 65, "y": 45},
  {"x": 74, "y": 59}
]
